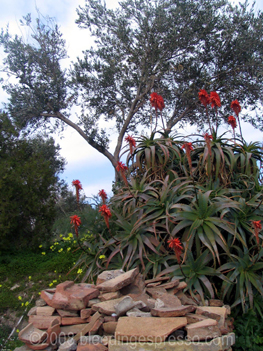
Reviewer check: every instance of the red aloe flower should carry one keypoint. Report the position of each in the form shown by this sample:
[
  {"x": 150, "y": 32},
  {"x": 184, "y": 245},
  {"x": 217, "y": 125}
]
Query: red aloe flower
[
  {"x": 257, "y": 226},
  {"x": 75, "y": 220},
  {"x": 204, "y": 97},
  {"x": 131, "y": 142},
  {"x": 122, "y": 168},
  {"x": 176, "y": 245},
  {"x": 106, "y": 213},
  {"x": 215, "y": 99},
  {"x": 232, "y": 121},
  {"x": 235, "y": 106},
  {"x": 103, "y": 196},
  {"x": 78, "y": 187},
  {"x": 188, "y": 148},
  {"x": 208, "y": 139},
  {"x": 157, "y": 101}
]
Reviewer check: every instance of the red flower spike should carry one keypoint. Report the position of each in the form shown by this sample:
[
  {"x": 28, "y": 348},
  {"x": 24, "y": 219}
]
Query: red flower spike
[
  {"x": 215, "y": 99},
  {"x": 208, "y": 139},
  {"x": 257, "y": 226},
  {"x": 204, "y": 97},
  {"x": 77, "y": 184},
  {"x": 176, "y": 245},
  {"x": 157, "y": 101},
  {"x": 188, "y": 148},
  {"x": 106, "y": 213},
  {"x": 75, "y": 220},
  {"x": 235, "y": 106},
  {"x": 131, "y": 142},
  {"x": 103, "y": 196},
  {"x": 78, "y": 187},
  {"x": 232, "y": 121},
  {"x": 122, "y": 168}
]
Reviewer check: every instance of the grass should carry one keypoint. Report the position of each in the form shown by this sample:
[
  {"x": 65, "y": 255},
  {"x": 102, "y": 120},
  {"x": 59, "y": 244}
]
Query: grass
[{"x": 24, "y": 274}]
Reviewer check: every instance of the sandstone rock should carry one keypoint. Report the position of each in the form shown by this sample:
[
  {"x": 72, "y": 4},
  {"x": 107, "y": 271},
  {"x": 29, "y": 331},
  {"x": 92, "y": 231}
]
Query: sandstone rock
[
  {"x": 41, "y": 302},
  {"x": 93, "y": 302},
  {"x": 86, "y": 313},
  {"x": 67, "y": 313},
  {"x": 109, "y": 296},
  {"x": 170, "y": 285},
  {"x": 107, "y": 275},
  {"x": 216, "y": 303},
  {"x": 90, "y": 339},
  {"x": 96, "y": 327},
  {"x": 217, "y": 313},
  {"x": 193, "y": 318},
  {"x": 125, "y": 304},
  {"x": 172, "y": 311},
  {"x": 92, "y": 347},
  {"x": 136, "y": 287},
  {"x": 204, "y": 330},
  {"x": 156, "y": 292},
  {"x": 42, "y": 346},
  {"x": 32, "y": 310},
  {"x": 185, "y": 300},
  {"x": 45, "y": 311},
  {"x": 135, "y": 312},
  {"x": 110, "y": 327},
  {"x": 119, "y": 282},
  {"x": 106, "y": 307},
  {"x": 71, "y": 329},
  {"x": 72, "y": 320},
  {"x": 181, "y": 286},
  {"x": 43, "y": 322},
  {"x": 160, "y": 279},
  {"x": 73, "y": 296},
  {"x": 147, "y": 329},
  {"x": 32, "y": 335},
  {"x": 170, "y": 300}
]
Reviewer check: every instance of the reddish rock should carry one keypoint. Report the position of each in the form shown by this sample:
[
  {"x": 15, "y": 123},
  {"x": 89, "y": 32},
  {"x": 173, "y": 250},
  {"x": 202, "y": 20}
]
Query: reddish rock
[
  {"x": 207, "y": 329},
  {"x": 106, "y": 307},
  {"x": 109, "y": 296},
  {"x": 72, "y": 320},
  {"x": 185, "y": 299},
  {"x": 31, "y": 334},
  {"x": 96, "y": 326},
  {"x": 215, "y": 303},
  {"x": 181, "y": 286},
  {"x": 92, "y": 347},
  {"x": 217, "y": 313},
  {"x": 72, "y": 329},
  {"x": 73, "y": 296},
  {"x": 107, "y": 275},
  {"x": 170, "y": 285},
  {"x": 43, "y": 322},
  {"x": 119, "y": 282},
  {"x": 193, "y": 318},
  {"x": 110, "y": 327},
  {"x": 156, "y": 292},
  {"x": 46, "y": 297},
  {"x": 86, "y": 313},
  {"x": 172, "y": 312},
  {"x": 170, "y": 300},
  {"x": 45, "y": 311},
  {"x": 53, "y": 331},
  {"x": 160, "y": 279},
  {"x": 43, "y": 346},
  {"x": 147, "y": 329},
  {"x": 136, "y": 287},
  {"x": 67, "y": 313}
]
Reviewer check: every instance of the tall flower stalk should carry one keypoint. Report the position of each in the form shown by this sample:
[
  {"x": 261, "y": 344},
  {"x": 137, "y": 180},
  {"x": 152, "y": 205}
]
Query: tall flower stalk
[
  {"x": 176, "y": 245},
  {"x": 121, "y": 168},
  {"x": 233, "y": 123},
  {"x": 132, "y": 143},
  {"x": 188, "y": 148},
  {"x": 158, "y": 103},
  {"x": 106, "y": 213},
  {"x": 235, "y": 106},
  {"x": 205, "y": 100},
  {"x": 76, "y": 183},
  {"x": 257, "y": 227},
  {"x": 103, "y": 196}
]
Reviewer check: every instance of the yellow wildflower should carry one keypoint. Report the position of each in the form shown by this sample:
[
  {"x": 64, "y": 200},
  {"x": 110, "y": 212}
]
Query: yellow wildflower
[
  {"x": 40, "y": 246},
  {"x": 43, "y": 253},
  {"x": 27, "y": 303},
  {"x": 19, "y": 298},
  {"x": 50, "y": 284},
  {"x": 102, "y": 256},
  {"x": 79, "y": 271}
]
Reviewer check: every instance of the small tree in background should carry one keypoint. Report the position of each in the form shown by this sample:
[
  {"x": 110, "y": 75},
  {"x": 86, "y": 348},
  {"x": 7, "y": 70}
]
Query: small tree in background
[{"x": 29, "y": 185}]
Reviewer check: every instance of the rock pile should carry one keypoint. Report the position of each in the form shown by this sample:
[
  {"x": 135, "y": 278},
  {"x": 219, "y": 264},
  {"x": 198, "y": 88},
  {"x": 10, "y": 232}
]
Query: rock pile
[{"x": 122, "y": 312}]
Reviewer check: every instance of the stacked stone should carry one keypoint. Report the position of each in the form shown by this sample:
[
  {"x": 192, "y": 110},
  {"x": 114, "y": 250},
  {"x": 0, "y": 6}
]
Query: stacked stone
[{"x": 125, "y": 312}]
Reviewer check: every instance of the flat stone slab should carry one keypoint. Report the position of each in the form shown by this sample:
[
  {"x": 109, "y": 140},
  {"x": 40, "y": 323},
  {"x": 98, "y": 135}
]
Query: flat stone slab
[
  {"x": 217, "y": 313},
  {"x": 72, "y": 329},
  {"x": 147, "y": 329},
  {"x": 119, "y": 282},
  {"x": 106, "y": 307},
  {"x": 71, "y": 296},
  {"x": 172, "y": 312},
  {"x": 107, "y": 275},
  {"x": 203, "y": 330},
  {"x": 43, "y": 322},
  {"x": 218, "y": 344},
  {"x": 45, "y": 311}
]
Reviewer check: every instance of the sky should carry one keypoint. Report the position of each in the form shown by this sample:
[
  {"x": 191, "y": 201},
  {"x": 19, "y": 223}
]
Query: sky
[{"x": 83, "y": 162}]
